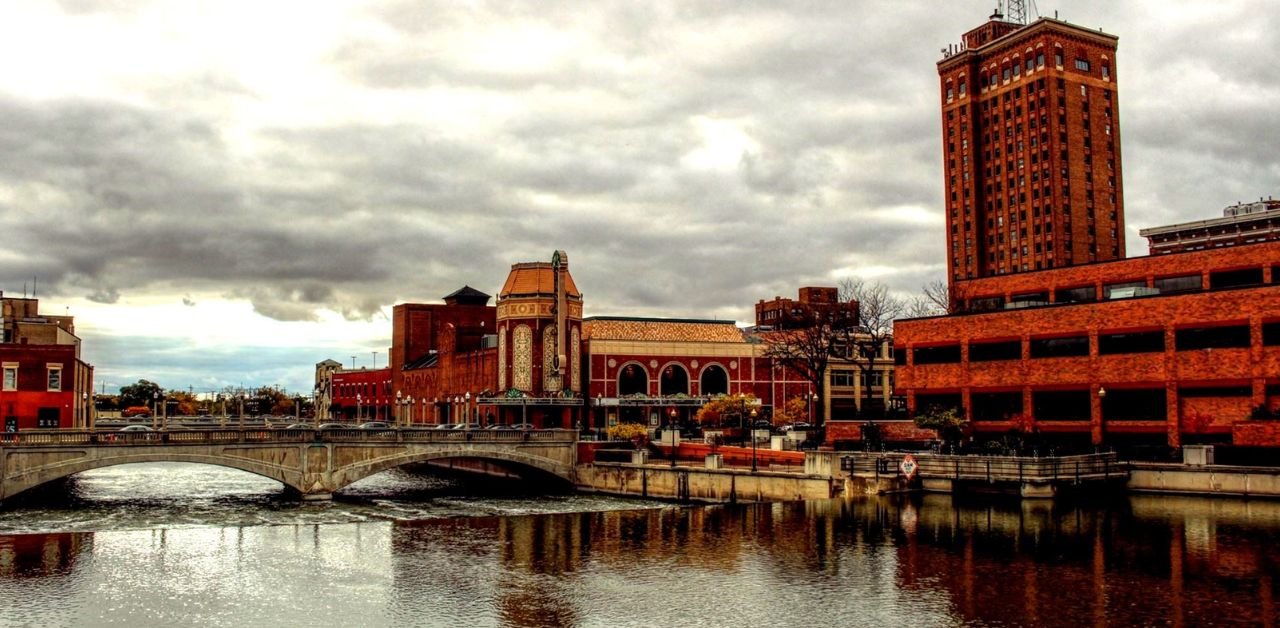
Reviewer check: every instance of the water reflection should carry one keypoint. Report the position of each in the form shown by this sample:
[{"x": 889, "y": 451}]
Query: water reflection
[{"x": 923, "y": 561}]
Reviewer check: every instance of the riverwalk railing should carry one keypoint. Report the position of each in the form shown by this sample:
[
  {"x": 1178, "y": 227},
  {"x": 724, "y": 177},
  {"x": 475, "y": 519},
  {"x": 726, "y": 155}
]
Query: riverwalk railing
[
  {"x": 989, "y": 468},
  {"x": 45, "y": 438}
]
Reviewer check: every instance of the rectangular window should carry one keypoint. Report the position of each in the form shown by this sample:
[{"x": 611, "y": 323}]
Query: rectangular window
[
  {"x": 1082, "y": 65},
  {"x": 1083, "y": 294},
  {"x": 899, "y": 356},
  {"x": 1227, "y": 337},
  {"x": 55, "y": 378},
  {"x": 1235, "y": 278},
  {"x": 986, "y": 305},
  {"x": 1185, "y": 283},
  {"x": 1106, "y": 71},
  {"x": 1124, "y": 289},
  {"x": 995, "y": 351},
  {"x": 1133, "y": 342},
  {"x": 1271, "y": 334},
  {"x": 947, "y": 354},
  {"x": 998, "y": 406},
  {"x": 10, "y": 376},
  {"x": 842, "y": 379},
  {"x": 1143, "y": 404},
  {"x": 874, "y": 379},
  {"x": 1071, "y": 346},
  {"x": 1061, "y": 405}
]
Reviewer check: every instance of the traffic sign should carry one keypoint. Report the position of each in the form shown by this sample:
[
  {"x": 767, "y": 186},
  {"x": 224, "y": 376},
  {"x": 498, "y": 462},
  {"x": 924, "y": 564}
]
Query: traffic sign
[{"x": 908, "y": 466}]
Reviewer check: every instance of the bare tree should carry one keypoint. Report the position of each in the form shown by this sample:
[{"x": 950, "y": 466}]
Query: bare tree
[
  {"x": 934, "y": 300},
  {"x": 807, "y": 350},
  {"x": 875, "y": 312}
]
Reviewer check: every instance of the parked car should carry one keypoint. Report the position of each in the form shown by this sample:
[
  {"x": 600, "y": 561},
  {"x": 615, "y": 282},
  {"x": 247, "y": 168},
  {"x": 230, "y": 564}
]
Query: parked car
[
  {"x": 521, "y": 426},
  {"x": 138, "y": 411},
  {"x": 297, "y": 426},
  {"x": 136, "y": 428},
  {"x": 445, "y": 426},
  {"x": 334, "y": 426},
  {"x": 374, "y": 425},
  {"x": 468, "y": 426}
]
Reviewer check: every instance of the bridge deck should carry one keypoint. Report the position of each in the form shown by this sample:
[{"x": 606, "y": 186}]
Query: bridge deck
[{"x": 108, "y": 438}]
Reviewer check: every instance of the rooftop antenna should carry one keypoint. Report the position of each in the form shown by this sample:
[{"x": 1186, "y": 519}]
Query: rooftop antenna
[{"x": 1018, "y": 10}]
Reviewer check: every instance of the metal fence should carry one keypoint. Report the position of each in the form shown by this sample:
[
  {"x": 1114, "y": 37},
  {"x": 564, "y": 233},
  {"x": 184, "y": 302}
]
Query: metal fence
[
  {"x": 44, "y": 438},
  {"x": 989, "y": 468}
]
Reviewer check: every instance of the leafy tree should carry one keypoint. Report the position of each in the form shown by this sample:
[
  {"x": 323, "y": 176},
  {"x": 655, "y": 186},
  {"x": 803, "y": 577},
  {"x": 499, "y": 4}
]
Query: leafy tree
[
  {"x": 184, "y": 403},
  {"x": 795, "y": 410},
  {"x": 948, "y": 422},
  {"x": 142, "y": 393},
  {"x": 728, "y": 410}
]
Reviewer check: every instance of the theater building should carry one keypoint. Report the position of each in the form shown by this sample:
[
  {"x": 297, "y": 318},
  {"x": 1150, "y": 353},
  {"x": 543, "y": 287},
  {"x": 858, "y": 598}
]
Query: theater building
[
  {"x": 466, "y": 360},
  {"x": 45, "y": 383}
]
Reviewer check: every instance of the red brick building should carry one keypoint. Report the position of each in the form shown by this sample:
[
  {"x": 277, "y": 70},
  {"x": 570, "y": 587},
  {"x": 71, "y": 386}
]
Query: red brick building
[
  {"x": 781, "y": 313},
  {"x": 1165, "y": 349},
  {"x": 44, "y": 382},
  {"x": 1031, "y": 149},
  {"x": 361, "y": 395},
  {"x": 465, "y": 360}
]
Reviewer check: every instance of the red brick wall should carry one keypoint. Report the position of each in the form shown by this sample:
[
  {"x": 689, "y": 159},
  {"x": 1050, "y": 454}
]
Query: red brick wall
[
  {"x": 1147, "y": 268},
  {"x": 1255, "y": 367},
  {"x": 33, "y": 394}
]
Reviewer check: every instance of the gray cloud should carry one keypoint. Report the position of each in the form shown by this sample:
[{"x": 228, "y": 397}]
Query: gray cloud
[{"x": 586, "y": 151}]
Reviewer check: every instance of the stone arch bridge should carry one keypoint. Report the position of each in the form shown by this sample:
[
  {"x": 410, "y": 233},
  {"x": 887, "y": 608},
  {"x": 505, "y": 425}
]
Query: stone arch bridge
[{"x": 313, "y": 463}]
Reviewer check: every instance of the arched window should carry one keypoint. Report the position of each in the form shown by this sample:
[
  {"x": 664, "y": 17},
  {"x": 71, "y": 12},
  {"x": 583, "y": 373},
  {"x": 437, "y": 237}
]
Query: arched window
[
  {"x": 714, "y": 381},
  {"x": 633, "y": 379},
  {"x": 675, "y": 380}
]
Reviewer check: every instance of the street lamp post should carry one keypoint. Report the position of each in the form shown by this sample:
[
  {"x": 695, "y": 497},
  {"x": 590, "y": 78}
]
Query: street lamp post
[
  {"x": 399, "y": 406},
  {"x": 753, "y": 440},
  {"x": 155, "y": 409},
  {"x": 241, "y": 399},
  {"x": 85, "y": 417},
  {"x": 672, "y": 427},
  {"x": 359, "y": 408},
  {"x": 409, "y": 406},
  {"x": 466, "y": 409}
]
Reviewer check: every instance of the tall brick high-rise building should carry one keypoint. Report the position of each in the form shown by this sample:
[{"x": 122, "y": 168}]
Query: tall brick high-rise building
[{"x": 1031, "y": 148}]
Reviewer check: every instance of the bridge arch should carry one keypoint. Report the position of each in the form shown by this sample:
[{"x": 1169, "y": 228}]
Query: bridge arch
[
  {"x": 15, "y": 484},
  {"x": 350, "y": 474}
]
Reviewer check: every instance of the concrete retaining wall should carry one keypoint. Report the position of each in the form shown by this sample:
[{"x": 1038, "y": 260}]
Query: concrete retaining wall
[
  {"x": 700, "y": 484},
  {"x": 1206, "y": 480}
]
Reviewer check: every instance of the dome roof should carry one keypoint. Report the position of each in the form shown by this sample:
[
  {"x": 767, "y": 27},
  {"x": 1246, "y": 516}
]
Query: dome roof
[{"x": 535, "y": 279}]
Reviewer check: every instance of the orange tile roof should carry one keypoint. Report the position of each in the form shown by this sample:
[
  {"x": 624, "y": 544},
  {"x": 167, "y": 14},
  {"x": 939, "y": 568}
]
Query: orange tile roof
[
  {"x": 669, "y": 330},
  {"x": 534, "y": 278}
]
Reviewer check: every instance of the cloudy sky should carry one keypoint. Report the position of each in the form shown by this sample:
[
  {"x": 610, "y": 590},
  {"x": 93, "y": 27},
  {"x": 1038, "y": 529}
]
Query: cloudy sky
[{"x": 226, "y": 192}]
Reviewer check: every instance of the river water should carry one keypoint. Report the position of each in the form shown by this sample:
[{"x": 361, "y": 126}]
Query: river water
[{"x": 189, "y": 545}]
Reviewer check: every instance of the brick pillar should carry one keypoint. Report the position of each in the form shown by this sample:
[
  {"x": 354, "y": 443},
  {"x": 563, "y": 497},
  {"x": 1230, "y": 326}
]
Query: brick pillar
[
  {"x": 1172, "y": 413},
  {"x": 1095, "y": 413}
]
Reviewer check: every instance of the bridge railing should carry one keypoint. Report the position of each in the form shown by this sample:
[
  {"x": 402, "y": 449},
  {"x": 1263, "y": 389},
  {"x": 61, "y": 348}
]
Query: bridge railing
[{"x": 45, "y": 438}]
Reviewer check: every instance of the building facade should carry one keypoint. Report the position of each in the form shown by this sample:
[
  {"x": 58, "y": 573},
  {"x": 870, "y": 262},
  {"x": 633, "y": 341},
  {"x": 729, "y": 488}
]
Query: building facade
[
  {"x": 1242, "y": 223},
  {"x": 1169, "y": 349},
  {"x": 1031, "y": 148},
  {"x": 44, "y": 382}
]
